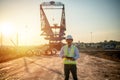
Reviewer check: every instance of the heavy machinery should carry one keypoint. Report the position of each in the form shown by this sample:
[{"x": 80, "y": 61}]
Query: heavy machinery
[{"x": 53, "y": 33}]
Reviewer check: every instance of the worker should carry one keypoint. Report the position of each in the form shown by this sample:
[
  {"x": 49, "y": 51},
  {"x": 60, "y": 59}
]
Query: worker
[{"x": 69, "y": 53}]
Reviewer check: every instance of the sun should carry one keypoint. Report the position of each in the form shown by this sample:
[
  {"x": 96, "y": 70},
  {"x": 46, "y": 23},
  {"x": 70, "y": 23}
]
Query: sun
[{"x": 7, "y": 29}]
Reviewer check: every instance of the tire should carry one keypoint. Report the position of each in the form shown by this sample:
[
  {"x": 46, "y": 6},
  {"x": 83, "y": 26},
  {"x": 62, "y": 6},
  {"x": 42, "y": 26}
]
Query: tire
[{"x": 53, "y": 51}]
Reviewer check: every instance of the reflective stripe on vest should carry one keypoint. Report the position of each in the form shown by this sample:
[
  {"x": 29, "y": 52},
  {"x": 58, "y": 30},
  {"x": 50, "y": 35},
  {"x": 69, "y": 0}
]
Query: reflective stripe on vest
[{"x": 69, "y": 54}]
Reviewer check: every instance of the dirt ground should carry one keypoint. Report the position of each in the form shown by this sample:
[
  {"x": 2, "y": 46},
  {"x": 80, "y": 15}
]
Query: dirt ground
[{"x": 89, "y": 67}]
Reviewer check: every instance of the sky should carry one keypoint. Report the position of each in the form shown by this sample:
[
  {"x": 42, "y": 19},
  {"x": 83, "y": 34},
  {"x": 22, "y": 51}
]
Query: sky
[{"x": 86, "y": 20}]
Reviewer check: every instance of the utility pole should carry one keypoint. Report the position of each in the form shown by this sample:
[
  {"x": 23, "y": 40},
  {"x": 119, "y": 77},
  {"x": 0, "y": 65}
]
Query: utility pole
[
  {"x": 91, "y": 37},
  {"x": 17, "y": 40},
  {"x": 1, "y": 40}
]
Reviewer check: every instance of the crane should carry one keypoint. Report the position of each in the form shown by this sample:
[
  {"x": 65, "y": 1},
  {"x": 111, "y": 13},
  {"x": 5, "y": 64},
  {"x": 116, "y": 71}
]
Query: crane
[{"x": 53, "y": 33}]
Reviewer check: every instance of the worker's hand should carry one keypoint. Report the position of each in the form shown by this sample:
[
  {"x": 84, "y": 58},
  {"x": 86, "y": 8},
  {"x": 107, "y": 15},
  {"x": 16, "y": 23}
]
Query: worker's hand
[{"x": 64, "y": 56}]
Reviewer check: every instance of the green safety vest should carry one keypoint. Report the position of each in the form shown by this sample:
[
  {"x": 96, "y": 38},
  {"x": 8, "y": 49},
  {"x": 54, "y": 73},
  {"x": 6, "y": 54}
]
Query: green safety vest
[{"x": 71, "y": 54}]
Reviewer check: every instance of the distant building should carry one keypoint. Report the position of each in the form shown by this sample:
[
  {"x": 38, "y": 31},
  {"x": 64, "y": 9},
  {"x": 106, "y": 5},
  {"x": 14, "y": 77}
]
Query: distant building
[
  {"x": 117, "y": 46},
  {"x": 109, "y": 46},
  {"x": 100, "y": 45}
]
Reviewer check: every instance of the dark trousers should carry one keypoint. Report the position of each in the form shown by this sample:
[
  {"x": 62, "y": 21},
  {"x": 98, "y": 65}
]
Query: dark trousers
[{"x": 70, "y": 68}]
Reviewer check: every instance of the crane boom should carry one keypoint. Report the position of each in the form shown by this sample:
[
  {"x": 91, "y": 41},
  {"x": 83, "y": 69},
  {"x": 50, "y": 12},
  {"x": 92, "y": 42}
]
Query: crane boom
[{"x": 48, "y": 30}]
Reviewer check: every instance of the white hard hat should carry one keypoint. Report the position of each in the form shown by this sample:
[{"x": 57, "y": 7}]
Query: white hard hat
[{"x": 69, "y": 37}]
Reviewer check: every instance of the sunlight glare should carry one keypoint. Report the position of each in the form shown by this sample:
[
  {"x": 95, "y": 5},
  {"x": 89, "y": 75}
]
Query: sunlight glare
[{"x": 7, "y": 29}]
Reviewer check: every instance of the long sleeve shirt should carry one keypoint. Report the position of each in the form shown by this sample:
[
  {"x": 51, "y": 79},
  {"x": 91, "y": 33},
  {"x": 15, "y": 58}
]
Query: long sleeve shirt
[{"x": 76, "y": 52}]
